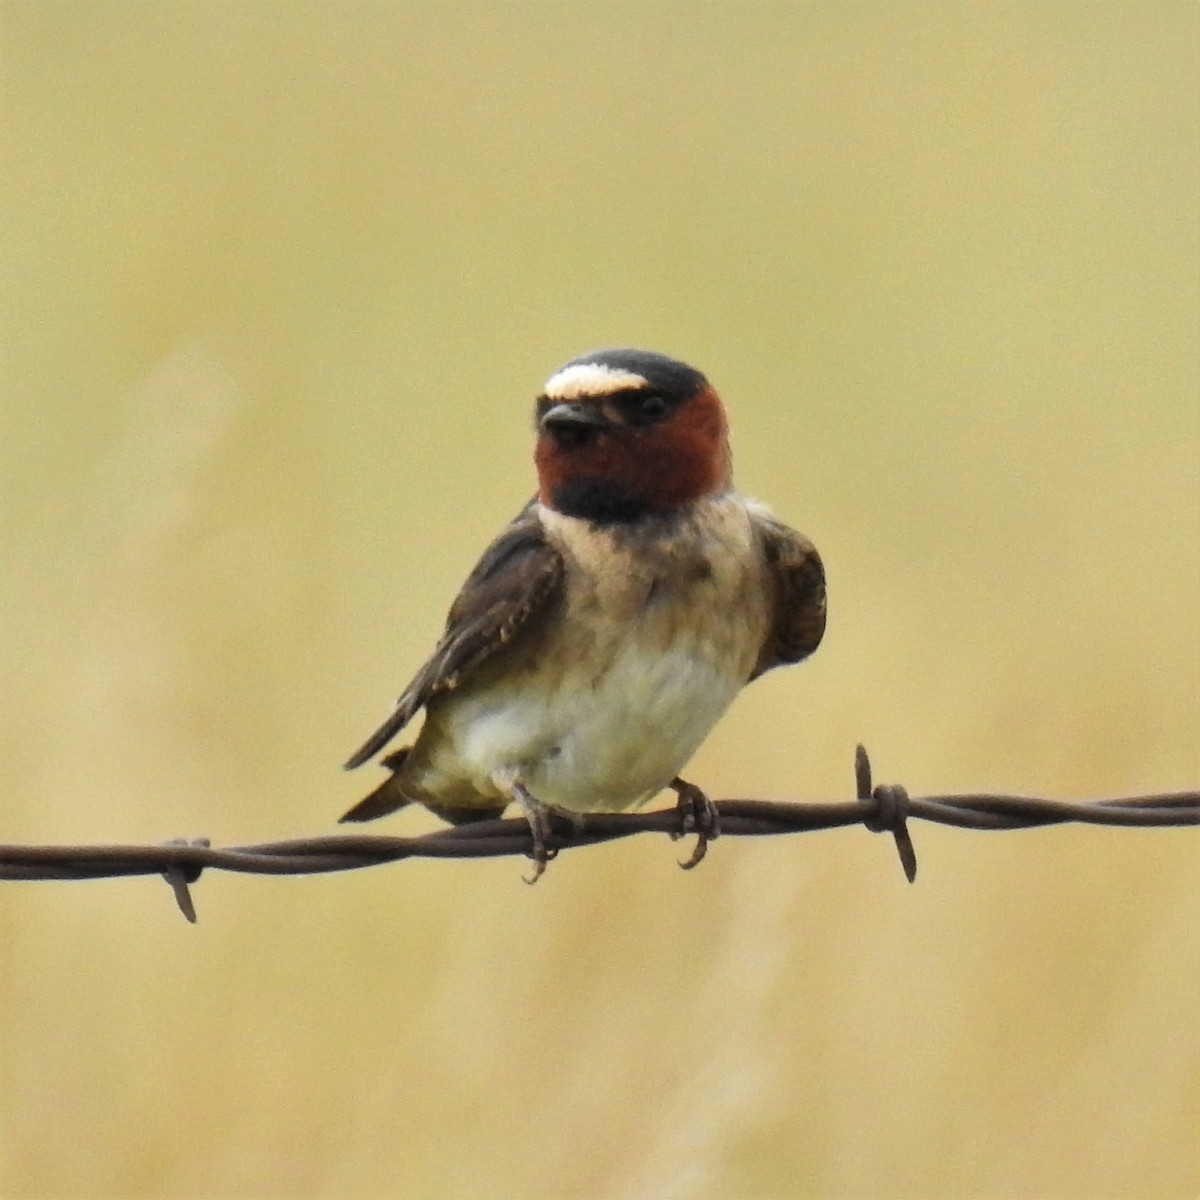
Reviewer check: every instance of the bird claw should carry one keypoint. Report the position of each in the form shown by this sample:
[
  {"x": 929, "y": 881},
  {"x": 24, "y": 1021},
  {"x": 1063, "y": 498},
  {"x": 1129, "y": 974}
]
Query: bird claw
[
  {"x": 541, "y": 826},
  {"x": 698, "y": 815}
]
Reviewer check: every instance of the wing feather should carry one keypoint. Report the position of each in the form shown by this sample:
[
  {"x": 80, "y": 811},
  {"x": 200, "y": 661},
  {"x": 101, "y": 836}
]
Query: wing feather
[
  {"x": 798, "y": 576},
  {"x": 519, "y": 577}
]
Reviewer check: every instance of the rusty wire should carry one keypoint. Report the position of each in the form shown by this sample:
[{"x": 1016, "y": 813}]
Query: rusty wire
[{"x": 885, "y": 808}]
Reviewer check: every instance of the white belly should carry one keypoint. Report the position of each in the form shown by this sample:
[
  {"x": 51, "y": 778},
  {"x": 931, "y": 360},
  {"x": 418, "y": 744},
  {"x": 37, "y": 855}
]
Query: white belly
[{"x": 609, "y": 746}]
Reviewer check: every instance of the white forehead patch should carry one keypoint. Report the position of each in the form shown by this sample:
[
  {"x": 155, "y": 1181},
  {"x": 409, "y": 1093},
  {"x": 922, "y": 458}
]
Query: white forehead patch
[{"x": 591, "y": 379}]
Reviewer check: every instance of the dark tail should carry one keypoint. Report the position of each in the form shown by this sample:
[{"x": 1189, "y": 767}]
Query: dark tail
[{"x": 386, "y": 798}]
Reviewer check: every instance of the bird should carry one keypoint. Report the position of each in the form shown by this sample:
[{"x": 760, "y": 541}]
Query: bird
[{"x": 606, "y": 630}]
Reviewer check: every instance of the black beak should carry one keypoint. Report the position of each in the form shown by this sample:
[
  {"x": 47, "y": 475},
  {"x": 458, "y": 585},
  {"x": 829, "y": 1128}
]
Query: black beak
[{"x": 573, "y": 418}]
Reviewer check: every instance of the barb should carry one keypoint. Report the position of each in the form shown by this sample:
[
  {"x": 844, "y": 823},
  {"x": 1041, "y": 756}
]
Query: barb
[{"x": 883, "y": 808}]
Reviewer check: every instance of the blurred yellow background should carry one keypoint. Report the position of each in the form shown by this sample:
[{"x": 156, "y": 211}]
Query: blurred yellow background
[{"x": 280, "y": 283}]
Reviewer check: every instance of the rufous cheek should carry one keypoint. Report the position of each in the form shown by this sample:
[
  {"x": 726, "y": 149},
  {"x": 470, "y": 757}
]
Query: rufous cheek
[{"x": 688, "y": 456}]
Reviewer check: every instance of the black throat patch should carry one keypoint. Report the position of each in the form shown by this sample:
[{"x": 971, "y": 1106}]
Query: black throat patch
[{"x": 601, "y": 501}]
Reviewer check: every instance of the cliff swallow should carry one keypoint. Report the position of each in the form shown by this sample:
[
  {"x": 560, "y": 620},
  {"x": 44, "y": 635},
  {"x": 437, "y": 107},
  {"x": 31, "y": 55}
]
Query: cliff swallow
[{"x": 605, "y": 631}]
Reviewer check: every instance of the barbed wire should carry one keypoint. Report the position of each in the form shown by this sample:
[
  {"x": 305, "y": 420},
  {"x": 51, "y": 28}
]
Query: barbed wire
[{"x": 883, "y": 809}]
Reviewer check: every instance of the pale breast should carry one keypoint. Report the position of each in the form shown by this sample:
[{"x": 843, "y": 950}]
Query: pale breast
[{"x": 660, "y": 629}]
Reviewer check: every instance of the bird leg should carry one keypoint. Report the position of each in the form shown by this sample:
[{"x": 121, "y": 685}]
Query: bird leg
[
  {"x": 698, "y": 815},
  {"x": 541, "y": 821}
]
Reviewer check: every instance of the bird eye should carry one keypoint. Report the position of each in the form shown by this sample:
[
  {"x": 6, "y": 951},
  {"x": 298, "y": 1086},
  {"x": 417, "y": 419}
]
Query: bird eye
[{"x": 653, "y": 406}]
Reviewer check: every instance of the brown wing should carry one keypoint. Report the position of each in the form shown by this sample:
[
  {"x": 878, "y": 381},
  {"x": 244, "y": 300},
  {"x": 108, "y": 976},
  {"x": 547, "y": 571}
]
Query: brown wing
[
  {"x": 799, "y": 578},
  {"x": 519, "y": 576}
]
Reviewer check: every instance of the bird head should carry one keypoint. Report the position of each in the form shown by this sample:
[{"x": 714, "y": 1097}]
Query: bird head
[{"x": 624, "y": 434}]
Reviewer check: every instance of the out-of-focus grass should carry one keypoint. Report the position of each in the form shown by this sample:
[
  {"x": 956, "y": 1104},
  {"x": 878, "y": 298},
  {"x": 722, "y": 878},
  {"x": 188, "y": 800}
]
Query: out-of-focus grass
[{"x": 279, "y": 286}]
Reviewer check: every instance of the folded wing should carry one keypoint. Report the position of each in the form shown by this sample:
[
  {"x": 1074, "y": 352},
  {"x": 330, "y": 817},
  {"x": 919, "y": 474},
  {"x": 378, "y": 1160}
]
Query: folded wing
[
  {"x": 799, "y": 581},
  {"x": 518, "y": 579}
]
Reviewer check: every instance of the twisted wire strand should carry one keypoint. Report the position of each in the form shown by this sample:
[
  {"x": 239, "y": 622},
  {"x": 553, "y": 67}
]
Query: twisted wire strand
[{"x": 885, "y": 808}]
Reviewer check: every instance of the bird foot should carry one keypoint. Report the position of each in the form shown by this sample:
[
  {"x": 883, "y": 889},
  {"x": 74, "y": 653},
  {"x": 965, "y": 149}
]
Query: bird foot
[
  {"x": 698, "y": 815},
  {"x": 541, "y": 818}
]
